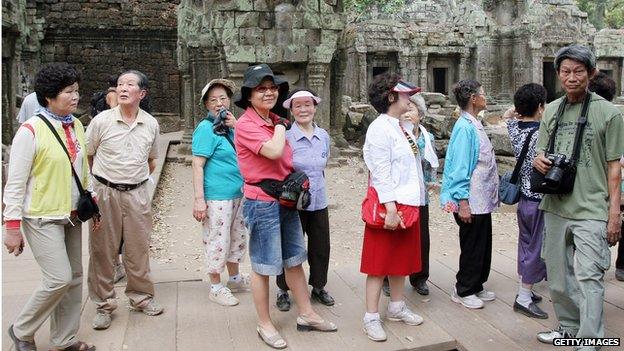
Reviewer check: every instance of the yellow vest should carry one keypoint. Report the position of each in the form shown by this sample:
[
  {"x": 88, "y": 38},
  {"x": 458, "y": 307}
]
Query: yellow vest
[{"x": 51, "y": 172}]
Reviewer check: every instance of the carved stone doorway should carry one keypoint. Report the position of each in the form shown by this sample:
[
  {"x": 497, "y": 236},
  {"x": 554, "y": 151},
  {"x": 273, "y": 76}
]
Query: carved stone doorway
[{"x": 551, "y": 83}]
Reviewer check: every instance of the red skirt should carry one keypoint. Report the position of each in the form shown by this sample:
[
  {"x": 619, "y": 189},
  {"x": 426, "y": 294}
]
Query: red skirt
[{"x": 391, "y": 252}]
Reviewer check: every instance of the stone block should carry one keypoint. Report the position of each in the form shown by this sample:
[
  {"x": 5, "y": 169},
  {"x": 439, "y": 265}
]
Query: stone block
[
  {"x": 322, "y": 53},
  {"x": 222, "y": 19},
  {"x": 434, "y": 98},
  {"x": 500, "y": 140},
  {"x": 266, "y": 20},
  {"x": 311, "y": 20},
  {"x": 332, "y": 21},
  {"x": 360, "y": 107},
  {"x": 283, "y": 37},
  {"x": 345, "y": 105},
  {"x": 270, "y": 36},
  {"x": 250, "y": 36},
  {"x": 329, "y": 36},
  {"x": 269, "y": 53},
  {"x": 299, "y": 36},
  {"x": 240, "y": 53},
  {"x": 231, "y": 5},
  {"x": 327, "y": 6},
  {"x": 355, "y": 118},
  {"x": 308, "y": 5},
  {"x": 261, "y": 5},
  {"x": 295, "y": 53},
  {"x": 246, "y": 20}
]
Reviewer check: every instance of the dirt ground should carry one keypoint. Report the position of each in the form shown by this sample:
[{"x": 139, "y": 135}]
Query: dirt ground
[{"x": 177, "y": 236}]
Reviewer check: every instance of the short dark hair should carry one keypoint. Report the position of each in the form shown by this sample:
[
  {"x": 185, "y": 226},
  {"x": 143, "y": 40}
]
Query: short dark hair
[
  {"x": 603, "y": 85},
  {"x": 528, "y": 99},
  {"x": 463, "y": 90},
  {"x": 52, "y": 79},
  {"x": 380, "y": 90},
  {"x": 112, "y": 80},
  {"x": 143, "y": 81},
  {"x": 578, "y": 53},
  {"x": 298, "y": 89}
]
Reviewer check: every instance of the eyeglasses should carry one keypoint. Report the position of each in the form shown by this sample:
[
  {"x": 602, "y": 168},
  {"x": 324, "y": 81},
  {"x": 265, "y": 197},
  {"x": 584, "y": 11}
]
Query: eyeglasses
[
  {"x": 214, "y": 101},
  {"x": 264, "y": 89}
]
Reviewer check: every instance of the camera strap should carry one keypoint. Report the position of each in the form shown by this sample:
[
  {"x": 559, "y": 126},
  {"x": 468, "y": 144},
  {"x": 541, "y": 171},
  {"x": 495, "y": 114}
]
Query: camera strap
[{"x": 580, "y": 127}]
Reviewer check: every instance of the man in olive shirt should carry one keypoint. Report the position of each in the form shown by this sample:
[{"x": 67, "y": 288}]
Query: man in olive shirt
[
  {"x": 122, "y": 144},
  {"x": 580, "y": 226}
]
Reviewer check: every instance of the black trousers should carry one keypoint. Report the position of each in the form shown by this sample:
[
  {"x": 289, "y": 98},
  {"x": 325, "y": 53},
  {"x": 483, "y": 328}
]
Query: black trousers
[
  {"x": 619, "y": 263},
  {"x": 423, "y": 275},
  {"x": 315, "y": 225},
  {"x": 475, "y": 242}
]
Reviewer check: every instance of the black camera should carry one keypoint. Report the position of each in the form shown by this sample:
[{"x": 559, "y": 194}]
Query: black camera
[
  {"x": 218, "y": 126},
  {"x": 560, "y": 164}
]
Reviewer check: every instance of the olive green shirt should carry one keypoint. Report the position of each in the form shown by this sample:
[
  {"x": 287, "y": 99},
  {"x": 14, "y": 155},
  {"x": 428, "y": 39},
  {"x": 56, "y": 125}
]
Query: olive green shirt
[{"x": 603, "y": 141}]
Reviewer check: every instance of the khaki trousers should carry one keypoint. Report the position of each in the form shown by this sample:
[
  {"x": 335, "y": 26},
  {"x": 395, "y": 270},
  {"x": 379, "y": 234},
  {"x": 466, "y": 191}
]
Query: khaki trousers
[
  {"x": 57, "y": 248},
  {"x": 577, "y": 255},
  {"x": 127, "y": 215}
]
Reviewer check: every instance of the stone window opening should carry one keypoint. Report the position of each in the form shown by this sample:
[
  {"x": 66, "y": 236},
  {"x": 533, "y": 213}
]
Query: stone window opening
[{"x": 439, "y": 80}]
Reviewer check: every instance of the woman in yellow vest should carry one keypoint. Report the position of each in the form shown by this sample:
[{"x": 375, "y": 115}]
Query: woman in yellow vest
[{"x": 40, "y": 198}]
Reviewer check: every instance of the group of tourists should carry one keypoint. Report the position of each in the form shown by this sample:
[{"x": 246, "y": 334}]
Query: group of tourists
[{"x": 259, "y": 186}]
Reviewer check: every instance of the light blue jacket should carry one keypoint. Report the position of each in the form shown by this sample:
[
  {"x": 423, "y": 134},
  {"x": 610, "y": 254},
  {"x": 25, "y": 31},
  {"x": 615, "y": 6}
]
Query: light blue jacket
[{"x": 461, "y": 160}]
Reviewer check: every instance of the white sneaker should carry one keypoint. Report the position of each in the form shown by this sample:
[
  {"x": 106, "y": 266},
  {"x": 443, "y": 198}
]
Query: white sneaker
[
  {"x": 223, "y": 297},
  {"x": 374, "y": 330},
  {"x": 242, "y": 284},
  {"x": 485, "y": 295},
  {"x": 470, "y": 301},
  {"x": 405, "y": 315}
]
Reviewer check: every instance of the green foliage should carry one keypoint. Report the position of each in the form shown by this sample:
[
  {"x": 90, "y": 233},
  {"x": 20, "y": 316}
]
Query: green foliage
[{"x": 604, "y": 13}]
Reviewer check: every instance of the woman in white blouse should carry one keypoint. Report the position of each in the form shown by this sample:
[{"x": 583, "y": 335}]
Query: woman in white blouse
[{"x": 396, "y": 175}]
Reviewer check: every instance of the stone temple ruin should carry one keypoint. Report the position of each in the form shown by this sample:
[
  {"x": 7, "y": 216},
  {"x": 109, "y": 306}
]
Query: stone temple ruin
[{"x": 314, "y": 43}]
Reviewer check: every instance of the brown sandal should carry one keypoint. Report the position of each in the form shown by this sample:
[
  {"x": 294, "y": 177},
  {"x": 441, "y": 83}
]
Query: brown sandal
[{"x": 78, "y": 346}]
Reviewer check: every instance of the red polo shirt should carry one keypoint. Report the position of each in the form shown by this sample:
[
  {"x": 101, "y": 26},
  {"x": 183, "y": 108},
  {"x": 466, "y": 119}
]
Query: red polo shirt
[{"x": 251, "y": 133}]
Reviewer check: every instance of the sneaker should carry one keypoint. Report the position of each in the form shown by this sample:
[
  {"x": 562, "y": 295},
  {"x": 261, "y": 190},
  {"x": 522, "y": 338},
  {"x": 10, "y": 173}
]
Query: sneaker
[
  {"x": 101, "y": 321},
  {"x": 470, "y": 301},
  {"x": 548, "y": 336},
  {"x": 283, "y": 302},
  {"x": 405, "y": 315},
  {"x": 374, "y": 330},
  {"x": 150, "y": 308},
  {"x": 485, "y": 295},
  {"x": 241, "y": 285},
  {"x": 223, "y": 297},
  {"x": 120, "y": 273},
  {"x": 619, "y": 273}
]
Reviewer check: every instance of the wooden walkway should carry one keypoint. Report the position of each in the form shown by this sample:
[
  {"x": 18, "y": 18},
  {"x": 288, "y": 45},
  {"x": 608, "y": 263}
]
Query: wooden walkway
[{"x": 192, "y": 322}]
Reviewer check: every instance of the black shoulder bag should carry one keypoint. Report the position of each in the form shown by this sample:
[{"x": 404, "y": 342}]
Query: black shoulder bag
[
  {"x": 562, "y": 174},
  {"x": 86, "y": 206},
  {"x": 508, "y": 188}
]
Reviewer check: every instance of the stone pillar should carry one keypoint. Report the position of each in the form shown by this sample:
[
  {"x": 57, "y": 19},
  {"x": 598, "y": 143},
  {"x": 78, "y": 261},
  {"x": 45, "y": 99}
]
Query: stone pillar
[
  {"x": 317, "y": 73},
  {"x": 463, "y": 66},
  {"x": 506, "y": 60},
  {"x": 422, "y": 71},
  {"x": 187, "y": 110},
  {"x": 537, "y": 69},
  {"x": 363, "y": 75}
]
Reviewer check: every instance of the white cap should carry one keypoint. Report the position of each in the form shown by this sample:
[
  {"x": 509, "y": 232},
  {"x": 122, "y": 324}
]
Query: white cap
[{"x": 300, "y": 94}]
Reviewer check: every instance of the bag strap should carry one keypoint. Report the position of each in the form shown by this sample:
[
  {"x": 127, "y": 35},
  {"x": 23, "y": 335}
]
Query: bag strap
[
  {"x": 58, "y": 138},
  {"x": 521, "y": 158},
  {"x": 580, "y": 127},
  {"x": 230, "y": 141},
  {"x": 551, "y": 138}
]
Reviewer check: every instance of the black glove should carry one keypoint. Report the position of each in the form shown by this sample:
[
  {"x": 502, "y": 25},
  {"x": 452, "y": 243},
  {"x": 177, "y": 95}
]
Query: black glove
[{"x": 283, "y": 121}]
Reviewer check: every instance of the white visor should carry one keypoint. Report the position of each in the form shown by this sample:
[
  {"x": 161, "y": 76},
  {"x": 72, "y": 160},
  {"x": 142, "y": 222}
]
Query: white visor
[{"x": 300, "y": 94}]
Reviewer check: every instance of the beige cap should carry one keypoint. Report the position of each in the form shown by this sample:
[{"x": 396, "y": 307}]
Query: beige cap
[{"x": 228, "y": 84}]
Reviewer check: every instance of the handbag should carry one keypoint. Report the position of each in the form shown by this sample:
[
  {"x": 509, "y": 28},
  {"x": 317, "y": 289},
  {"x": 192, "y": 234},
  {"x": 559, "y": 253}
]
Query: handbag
[
  {"x": 86, "y": 207},
  {"x": 539, "y": 182},
  {"x": 373, "y": 212},
  {"x": 508, "y": 187},
  {"x": 292, "y": 192}
]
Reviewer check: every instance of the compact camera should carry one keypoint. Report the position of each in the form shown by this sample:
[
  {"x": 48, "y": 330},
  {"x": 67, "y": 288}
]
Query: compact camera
[
  {"x": 218, "y": 126},
  {"x": 560, "y": 165}
]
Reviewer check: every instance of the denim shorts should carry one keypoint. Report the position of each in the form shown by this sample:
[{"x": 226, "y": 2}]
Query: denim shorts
[{"x": 275, "y": 236}]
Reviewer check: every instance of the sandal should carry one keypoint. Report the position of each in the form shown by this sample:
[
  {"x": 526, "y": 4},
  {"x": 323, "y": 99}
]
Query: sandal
[
  {"x": 275, "y": 341},
  {"x": 78, "y": 346}
]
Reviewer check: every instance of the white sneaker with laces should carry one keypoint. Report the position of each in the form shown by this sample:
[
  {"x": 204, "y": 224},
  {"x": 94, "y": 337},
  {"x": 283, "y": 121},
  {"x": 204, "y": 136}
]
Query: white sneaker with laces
[
  {"x": 485, "y": 295},
  {"x": 405, "y": 315},
  {"x": 470, "y": 301},
  {"x": 243, "y": 284},
  {"x": 374, "y": 330},
  {"x": 223, "y": 297}
]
